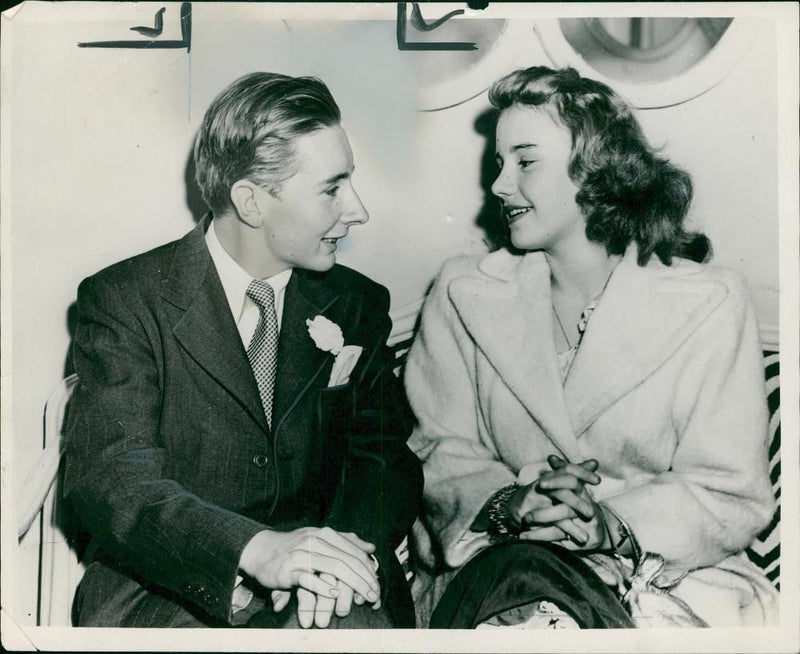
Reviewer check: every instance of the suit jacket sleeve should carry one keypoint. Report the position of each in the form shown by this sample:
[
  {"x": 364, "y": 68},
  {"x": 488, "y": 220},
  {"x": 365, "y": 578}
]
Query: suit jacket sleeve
[
  {"x": 117, "y": 472},
  {"x": 381, "y": 484}
]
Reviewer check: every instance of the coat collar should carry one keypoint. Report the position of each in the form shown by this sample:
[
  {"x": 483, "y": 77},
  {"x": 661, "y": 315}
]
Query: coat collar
[
  {"x": 300, "y": 362},
  {"x": 643, "y": 316},
  {"x": 202, "y": 322}
]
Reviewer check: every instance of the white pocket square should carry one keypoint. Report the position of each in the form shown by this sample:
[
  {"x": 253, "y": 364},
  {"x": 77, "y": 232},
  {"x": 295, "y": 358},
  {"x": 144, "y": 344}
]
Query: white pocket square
[{"x": 343, "y": 365}]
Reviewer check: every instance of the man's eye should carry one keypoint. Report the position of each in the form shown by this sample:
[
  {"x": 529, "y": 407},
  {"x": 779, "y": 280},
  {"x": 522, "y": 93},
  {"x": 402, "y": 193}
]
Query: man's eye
[{"x": 332, "y": 191}]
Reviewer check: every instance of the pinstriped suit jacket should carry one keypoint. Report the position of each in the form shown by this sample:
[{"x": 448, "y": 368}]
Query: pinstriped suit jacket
[{"x": 170, "y": 461}]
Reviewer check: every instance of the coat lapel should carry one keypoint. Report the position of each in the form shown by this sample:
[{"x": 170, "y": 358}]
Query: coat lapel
[
  {"x": 300, "y": 362},
  {"x": 643, "y": 317},
  {"x": 508, "y": 314},
  {"x": 202, "y": 322}
]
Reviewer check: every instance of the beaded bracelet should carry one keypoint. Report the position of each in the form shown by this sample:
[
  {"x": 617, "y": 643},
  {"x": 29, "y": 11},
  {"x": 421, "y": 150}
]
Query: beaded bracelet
[{"x": 501, "y": 527}]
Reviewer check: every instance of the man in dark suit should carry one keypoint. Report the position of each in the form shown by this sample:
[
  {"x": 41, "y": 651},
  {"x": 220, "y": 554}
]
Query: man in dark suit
[{"x": 236, "y": 442}]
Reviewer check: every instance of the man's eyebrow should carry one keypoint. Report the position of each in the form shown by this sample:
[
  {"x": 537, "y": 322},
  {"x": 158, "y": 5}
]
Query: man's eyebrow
[{"x": 335, "y": 178}]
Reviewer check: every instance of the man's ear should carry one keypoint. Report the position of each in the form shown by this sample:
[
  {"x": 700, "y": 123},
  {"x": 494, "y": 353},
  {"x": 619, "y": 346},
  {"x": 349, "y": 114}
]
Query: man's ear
[{"x": 249, "y": 201}]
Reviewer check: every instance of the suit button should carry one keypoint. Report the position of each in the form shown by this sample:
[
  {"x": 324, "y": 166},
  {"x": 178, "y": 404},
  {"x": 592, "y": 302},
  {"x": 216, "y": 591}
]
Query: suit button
[{"x": 260, "y": 460}]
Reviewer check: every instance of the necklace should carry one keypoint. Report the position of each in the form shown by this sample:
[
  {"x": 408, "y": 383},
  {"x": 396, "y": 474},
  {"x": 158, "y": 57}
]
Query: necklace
[{"x": 585, "y": 314}]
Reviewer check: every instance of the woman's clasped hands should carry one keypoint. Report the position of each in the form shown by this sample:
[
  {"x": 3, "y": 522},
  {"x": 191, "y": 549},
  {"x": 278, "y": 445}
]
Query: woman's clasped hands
[{"x": 572, "y": 517}]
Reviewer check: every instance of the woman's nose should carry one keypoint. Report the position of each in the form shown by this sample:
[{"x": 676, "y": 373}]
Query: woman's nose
[{"x": 502, "y": 185}]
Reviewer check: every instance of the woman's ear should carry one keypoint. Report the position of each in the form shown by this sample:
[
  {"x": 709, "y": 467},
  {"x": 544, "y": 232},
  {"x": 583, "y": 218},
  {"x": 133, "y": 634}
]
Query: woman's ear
[{"x": 247, "y": 199}]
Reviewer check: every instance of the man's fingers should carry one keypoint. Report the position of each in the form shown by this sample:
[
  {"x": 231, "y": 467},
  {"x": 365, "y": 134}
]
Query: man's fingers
[
  {"x": 347, "y": 542},
  {"x": 325, "y": 605},
  {"x": 355, "y": 558},
  {"x": 280, "y": 598},
  {"x": 309, "y": 581},
  {"x": 306, "y": 606},
  {"x": 357, "y": 577},
  {"x": 345, "y": 600},
  {"x": 361, "y": 544}
]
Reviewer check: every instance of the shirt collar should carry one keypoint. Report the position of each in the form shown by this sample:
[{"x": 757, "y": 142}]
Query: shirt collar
[{"x": 236, "y": 279}]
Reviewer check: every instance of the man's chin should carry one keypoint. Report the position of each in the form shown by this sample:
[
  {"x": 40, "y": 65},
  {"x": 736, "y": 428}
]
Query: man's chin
[{"x": 320, "y": 265}]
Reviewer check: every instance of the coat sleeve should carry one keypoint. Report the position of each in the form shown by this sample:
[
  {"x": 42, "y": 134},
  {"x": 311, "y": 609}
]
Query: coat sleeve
[
  {"x": 716, "y": 495},
  {"x": 117, "y": 465},
  {"x": 461, "y": 466},
  {"x": 379, "y": 492}
]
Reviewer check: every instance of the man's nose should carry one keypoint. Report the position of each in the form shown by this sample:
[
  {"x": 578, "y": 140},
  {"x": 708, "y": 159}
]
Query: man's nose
[{"x": 355, "y": 213}]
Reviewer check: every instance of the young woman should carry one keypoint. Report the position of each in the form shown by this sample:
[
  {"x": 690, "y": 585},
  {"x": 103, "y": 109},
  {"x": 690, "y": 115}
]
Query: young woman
[{"x": 592, "y": 398}]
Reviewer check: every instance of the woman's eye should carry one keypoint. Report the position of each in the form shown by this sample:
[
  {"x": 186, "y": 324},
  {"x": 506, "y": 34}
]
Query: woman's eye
[{"x": 526, "y": 163}]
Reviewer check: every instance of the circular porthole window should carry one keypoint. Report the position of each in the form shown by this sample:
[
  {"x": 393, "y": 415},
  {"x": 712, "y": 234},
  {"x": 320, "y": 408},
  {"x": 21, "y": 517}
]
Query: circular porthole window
[
  {"x": 448, "y": 78},
  {"x": 653, "y": 61}
]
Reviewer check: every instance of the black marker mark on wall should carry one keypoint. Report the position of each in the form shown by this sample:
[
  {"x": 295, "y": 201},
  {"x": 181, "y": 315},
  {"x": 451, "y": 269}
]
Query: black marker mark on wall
[
  {"x": 419, "y": 23},
  {"x": 157, "y": 28},
  {"x": 154, "y": 44}
]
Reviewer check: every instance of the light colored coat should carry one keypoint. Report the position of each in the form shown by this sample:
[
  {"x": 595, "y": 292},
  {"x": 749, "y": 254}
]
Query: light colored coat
[{"x": 666, "y": 392}]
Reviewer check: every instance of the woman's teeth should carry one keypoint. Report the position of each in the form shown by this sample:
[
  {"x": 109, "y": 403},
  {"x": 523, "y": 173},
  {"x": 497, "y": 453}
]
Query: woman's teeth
[{"x": 513, "y": 214}]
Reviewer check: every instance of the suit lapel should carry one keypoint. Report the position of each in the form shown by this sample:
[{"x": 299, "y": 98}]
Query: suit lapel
[
  {"x": 508, "y": 315},
  {"x": 202, "y": 322},
  {"x": 300, "y": 362},
  {"x": 643, "y": 317}
]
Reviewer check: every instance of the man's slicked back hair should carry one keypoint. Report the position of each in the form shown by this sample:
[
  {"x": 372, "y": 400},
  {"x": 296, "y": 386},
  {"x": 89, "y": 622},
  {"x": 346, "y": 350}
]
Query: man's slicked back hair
[{"x": 249, "y": 130}]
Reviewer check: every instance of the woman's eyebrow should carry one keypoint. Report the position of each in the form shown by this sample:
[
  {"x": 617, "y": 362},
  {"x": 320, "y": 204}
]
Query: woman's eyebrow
[{"x": 523, "y": 146}]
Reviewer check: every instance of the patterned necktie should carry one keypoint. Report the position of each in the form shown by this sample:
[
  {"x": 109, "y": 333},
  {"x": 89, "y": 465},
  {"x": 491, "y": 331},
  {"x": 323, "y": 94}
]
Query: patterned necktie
[{"x": 263, "y": 349}]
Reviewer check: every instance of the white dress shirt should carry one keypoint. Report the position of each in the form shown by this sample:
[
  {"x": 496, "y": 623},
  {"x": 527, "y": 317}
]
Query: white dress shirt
[{"x": 235, "y": 281}]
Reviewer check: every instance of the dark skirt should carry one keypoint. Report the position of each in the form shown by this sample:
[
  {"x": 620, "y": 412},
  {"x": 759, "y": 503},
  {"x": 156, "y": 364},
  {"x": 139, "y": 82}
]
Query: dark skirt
[{"x": 511, "y": 575}]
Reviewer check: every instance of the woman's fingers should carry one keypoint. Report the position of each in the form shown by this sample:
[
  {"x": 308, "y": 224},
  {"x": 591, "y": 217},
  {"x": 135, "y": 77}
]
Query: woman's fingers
[
  {"x": 573, "y": 532},
  {"x": 576, "y": 500},
  {"x": 549, "y": 534},
  {"x": 549, "y": 515},
  {"x": 557, "y": 462},
  {"x": 577, "y": 471}
]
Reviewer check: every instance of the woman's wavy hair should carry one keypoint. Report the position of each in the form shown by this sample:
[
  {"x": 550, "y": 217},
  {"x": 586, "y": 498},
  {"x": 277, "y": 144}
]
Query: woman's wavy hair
[
  {"x": 249, "y": 129},
  {"x": 627, "y": 193}
]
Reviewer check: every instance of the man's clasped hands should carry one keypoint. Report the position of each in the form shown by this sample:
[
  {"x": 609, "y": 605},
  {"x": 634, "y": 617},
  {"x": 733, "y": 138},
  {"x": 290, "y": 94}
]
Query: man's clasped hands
[{"x": 329, "y": 571}]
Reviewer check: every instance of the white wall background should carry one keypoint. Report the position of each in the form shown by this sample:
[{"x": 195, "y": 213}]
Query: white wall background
[{"x": 96, "y": 144}]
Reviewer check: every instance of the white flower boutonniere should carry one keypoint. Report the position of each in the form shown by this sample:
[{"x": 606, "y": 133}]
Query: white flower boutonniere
[{"x": 327, "y": 336}]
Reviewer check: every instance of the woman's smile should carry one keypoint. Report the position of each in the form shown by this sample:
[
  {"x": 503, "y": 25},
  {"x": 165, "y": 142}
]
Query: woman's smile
[{"x": 513, "y": 214}]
